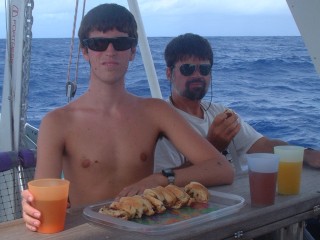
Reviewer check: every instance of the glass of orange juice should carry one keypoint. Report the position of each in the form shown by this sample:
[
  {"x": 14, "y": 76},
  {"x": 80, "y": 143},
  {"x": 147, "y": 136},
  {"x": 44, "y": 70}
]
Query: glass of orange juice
[
  {"x": 50, "y": 198},
  {"x": 290, "y": 168}
]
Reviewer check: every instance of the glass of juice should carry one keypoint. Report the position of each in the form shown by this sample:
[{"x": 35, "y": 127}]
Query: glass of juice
[
  {"x": 263, "y": 168},
  {"x": 50, "y": 198},
  {"x": 290, "y": 168}
]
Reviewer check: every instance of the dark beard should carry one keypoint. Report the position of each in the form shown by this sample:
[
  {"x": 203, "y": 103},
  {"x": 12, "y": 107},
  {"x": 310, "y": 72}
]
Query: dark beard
[{"x": 195, "y": 93}]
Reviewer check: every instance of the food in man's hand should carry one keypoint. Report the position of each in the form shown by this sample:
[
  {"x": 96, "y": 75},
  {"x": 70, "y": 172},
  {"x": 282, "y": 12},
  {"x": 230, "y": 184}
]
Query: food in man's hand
[
  {"x": 229, "y": 112},
  {"x": 157, "y": 200}
]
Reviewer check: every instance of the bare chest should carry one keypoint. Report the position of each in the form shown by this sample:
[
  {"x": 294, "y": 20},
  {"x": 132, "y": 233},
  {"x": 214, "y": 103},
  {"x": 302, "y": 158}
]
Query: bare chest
[{"x": 111, "y": 144}]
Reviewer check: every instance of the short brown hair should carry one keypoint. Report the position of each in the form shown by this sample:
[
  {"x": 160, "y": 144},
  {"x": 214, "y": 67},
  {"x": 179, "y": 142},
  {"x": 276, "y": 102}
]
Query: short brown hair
[{"x": 107, "y": 17}]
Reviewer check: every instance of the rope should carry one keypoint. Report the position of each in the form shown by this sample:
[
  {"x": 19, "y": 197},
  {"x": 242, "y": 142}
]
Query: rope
[
  {"x": 70, "y": 86},
  {"x": 26, "y": 67},
  {"x": 78, "y": 57},
  {"x": 8, "y": 45}
]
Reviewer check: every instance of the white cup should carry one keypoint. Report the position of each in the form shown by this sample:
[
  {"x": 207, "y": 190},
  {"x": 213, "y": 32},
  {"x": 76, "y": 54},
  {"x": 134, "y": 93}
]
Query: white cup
[{"x": 263, "y": 169}]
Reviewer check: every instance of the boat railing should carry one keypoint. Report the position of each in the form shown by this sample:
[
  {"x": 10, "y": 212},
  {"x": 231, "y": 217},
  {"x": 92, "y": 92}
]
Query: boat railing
[{"x": 16, "y": 169}]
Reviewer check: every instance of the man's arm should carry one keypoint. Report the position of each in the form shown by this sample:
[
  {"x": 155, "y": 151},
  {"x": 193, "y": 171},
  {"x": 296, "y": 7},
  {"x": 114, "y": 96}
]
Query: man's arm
[
  {"x": 265, "y": 145},
  {"x": 50, "y": 146},
  {"x": 311, "y": 157},
  {"x": 209, "y": 166},
  {"x": 49, "y": 165}
]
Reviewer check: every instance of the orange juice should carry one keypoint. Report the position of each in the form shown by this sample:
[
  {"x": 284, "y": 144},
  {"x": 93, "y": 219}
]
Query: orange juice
[
  {"x": 52, "y": 215},
  {"x": 50, "y": 198},
  {"x": 289, "y": 177}
]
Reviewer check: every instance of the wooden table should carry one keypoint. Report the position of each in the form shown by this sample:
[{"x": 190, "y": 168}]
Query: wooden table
[{"x": 247, "y": 223}]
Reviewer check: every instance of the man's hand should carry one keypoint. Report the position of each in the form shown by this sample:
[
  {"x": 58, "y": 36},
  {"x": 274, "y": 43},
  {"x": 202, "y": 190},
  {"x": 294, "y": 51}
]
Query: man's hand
[
  {"x": 312, "y": 158},
  {"x": 223, "y": 129},
  {"x": 137, "y": 188},
  {"x": 30, "y": 215}
]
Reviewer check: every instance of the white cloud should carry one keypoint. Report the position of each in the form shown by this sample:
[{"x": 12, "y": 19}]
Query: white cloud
[
  {"x": 164, "y": 17},
  {"x": 168, "y": 7}
]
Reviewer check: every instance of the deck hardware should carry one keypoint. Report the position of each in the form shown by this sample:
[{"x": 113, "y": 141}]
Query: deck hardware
[
  {"x": 238, "y": 235},
  {"x": 316, "y": 209}
]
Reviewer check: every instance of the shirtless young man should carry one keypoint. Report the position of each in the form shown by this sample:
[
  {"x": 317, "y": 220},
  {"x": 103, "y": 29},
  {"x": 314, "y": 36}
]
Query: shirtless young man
[{"x": 104, "y": 141}]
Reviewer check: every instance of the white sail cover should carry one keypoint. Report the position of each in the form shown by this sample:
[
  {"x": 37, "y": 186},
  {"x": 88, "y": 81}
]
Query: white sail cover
[
  {"x": 307, "y": 17},
  {"x": 11, "y": 97}
]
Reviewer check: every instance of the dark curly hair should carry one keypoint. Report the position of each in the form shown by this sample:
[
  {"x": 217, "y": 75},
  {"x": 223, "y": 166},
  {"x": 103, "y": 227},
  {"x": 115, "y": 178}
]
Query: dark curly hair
[{"x": 185, "y": 46}]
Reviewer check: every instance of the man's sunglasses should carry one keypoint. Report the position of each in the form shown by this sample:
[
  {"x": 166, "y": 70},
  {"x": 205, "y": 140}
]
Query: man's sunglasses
[
  {"x": 100, "y": 44},
  {"x": 189, "y": 69}
]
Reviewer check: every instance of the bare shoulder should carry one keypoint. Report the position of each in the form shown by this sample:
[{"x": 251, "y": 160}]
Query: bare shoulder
[
  {"x": 160, "y": 110},
  {"x": 156, "y": 104},
  {"x": 58, "y": 117}
]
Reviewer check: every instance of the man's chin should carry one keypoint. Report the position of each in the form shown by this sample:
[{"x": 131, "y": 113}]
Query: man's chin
[{"x": 197, "y": 95}]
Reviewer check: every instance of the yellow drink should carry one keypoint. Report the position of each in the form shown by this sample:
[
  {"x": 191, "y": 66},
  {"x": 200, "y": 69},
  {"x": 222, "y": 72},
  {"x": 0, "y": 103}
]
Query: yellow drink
[{"x": 289, "y": 177}]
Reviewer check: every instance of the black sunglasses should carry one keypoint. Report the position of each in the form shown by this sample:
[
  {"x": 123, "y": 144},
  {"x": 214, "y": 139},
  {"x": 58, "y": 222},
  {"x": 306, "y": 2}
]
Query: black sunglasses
[
  {"x": 100, "y": 44},
  {"x": 188, "y": 69}
]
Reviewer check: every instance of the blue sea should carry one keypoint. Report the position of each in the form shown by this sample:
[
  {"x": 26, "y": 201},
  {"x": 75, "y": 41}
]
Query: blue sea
[{"x": 269, "y": 81}]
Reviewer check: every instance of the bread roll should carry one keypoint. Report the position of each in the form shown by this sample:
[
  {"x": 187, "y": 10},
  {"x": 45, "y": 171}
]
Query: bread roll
[
  {"x": 114, "y": 212},
  {"x": 182, "y": 197},
  {"x": 169, "y": 198},
  {"x": 157, "y": 200},
  {"x": 197, "y": 191}
]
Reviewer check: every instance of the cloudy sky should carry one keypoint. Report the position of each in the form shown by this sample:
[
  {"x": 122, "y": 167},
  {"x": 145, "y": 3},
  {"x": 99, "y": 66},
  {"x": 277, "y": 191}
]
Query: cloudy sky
[{"x": 172, "y": 17}]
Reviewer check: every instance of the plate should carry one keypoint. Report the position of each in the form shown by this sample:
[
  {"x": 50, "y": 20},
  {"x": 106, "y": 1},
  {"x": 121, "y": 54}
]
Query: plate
[{"x": 219, "y": 205}]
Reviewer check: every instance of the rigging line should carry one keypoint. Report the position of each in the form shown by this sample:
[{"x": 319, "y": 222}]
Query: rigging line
[
  {"x": 68, "y": 93},
  {"x": 77, "y": 64},
  {"x": 10, "y": 59}
]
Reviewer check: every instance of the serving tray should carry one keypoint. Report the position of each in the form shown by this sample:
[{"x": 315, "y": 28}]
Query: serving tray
[{"x": 220, "y": 204}]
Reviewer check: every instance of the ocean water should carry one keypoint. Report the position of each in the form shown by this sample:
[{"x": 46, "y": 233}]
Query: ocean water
[{"x": 269, "y": 81}]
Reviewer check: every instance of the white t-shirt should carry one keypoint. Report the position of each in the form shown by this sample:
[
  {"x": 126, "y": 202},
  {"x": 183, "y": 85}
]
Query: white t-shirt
[{"x": 167, "y": 156}]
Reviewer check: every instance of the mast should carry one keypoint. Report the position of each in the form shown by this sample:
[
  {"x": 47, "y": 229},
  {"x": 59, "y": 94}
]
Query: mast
[{"x": 145, "y": 51}]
